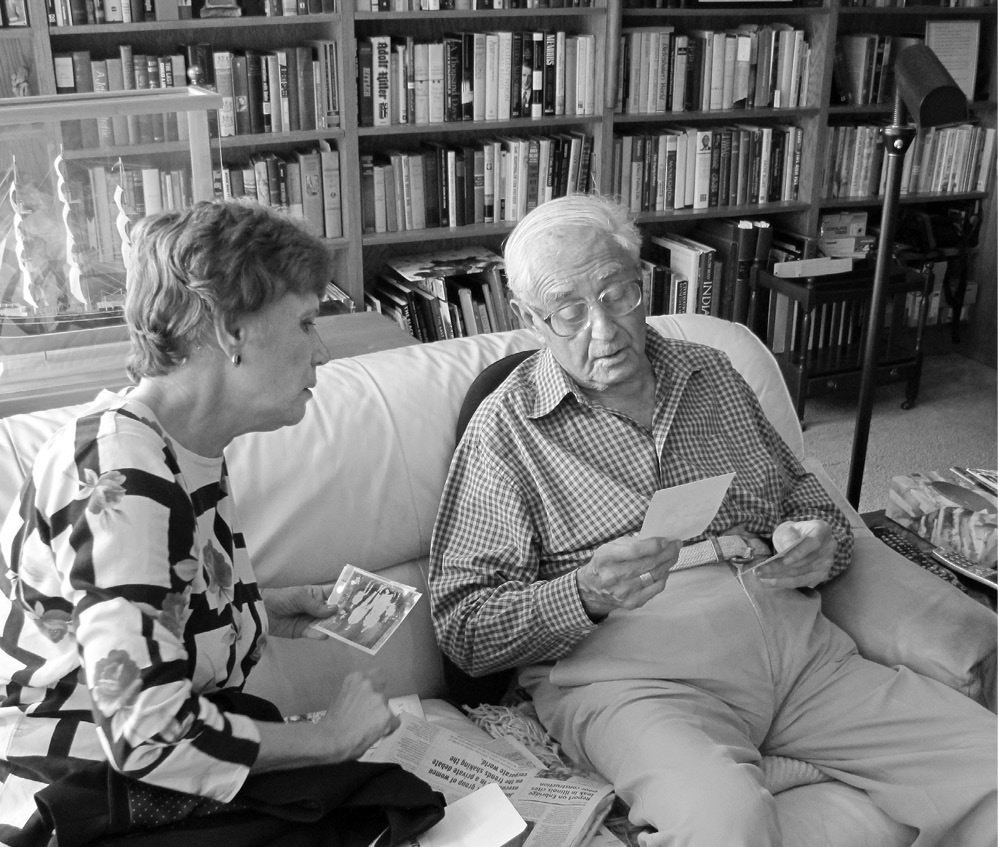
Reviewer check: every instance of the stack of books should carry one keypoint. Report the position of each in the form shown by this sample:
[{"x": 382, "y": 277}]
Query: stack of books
[{"x": 444, "y": 294}]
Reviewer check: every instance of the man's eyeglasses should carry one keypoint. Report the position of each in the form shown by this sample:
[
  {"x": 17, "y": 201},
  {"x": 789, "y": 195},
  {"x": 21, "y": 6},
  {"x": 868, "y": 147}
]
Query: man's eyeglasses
[{"x": 617, "y": 300}]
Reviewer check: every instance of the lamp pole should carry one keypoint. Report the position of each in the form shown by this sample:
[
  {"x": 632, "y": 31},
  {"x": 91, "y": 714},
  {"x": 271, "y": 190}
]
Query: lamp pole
[
  {"x": 897, "y": 139},
  {"x": 925, "y": 90}
]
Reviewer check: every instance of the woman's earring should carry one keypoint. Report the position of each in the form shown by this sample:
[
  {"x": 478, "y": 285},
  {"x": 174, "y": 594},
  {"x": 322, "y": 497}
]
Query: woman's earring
[{"x": 237, "y": 360}]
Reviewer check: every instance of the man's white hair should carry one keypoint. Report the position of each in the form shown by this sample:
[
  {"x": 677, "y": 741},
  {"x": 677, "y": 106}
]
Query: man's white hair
[{"x": 600, "y": 214}]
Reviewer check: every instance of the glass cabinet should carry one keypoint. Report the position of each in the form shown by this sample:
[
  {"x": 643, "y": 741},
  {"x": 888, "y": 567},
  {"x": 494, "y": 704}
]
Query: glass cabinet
[{"x": 76, "y": 172}]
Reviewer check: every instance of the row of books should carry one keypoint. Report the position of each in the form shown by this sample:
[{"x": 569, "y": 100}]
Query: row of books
[
  {"x": 281, "y": 90},
  {"x": 475, "y": 76},
  {"x": 78, "y": 72},
  {"x": 863, "y": 62},
  {"x": 863, "y": 67},
  {"x": 938, "y": 309},
  {"x": 101, "y": 211},
  {"x": 717, "y": 4},
  {"x": 941, "y": 160},
  {"x": 487, "y": 181},
  {"x": 707, "y": 167},
  {"x": 710, "y": 267},
  {"x": 465, "y": 5},
  {"x": 753, "y": 66},
  {"x": 70, "y": 13},
  {"x": 463, "y": 291},
  {"x": 949, "y": 4},
  {"x": 444, "y": 294},
  {"x": 88, "y": 12},
  {"x": 304, "y": 183}
]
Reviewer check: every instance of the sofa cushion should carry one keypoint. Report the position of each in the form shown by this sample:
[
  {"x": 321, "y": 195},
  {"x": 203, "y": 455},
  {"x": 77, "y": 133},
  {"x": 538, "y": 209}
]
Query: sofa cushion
[{"x": 358, "y": 481}]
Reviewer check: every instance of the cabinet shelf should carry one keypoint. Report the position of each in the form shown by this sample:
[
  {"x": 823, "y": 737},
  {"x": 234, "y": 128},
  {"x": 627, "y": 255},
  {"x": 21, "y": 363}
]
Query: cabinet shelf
[
  {"x": 194, "y": 24},
  {"x": 479, "y": 14},
  {"x": 807, "y": 13},
  {"x": 838, "y": 359},
  {"x": 477, "y": 127},
  {"x": 279, "y": 139},
  {"x": 888, "y": 109},
  {"x": 905, "y": 199},
  {"x": 747, "y": 210},
  {"x": 717, "y": 115},
  {"x": 916, "y": 12},
  {"x": 475, "y": 231},
  {"x": 160, "y": 148}
]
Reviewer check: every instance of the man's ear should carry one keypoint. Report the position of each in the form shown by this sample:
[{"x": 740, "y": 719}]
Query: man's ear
[{"x": 529, "y": 320}]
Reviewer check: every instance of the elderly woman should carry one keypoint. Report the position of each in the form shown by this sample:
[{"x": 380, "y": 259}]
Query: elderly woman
[{"x": 131, "y": 617}]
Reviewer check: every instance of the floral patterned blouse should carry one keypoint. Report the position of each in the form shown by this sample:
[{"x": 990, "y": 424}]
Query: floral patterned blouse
[{"x": 127, "y": 599}]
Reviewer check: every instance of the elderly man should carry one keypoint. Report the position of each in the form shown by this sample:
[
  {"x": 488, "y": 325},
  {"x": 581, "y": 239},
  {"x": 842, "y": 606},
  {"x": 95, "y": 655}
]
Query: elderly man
[{"x": 670, "y": 679}]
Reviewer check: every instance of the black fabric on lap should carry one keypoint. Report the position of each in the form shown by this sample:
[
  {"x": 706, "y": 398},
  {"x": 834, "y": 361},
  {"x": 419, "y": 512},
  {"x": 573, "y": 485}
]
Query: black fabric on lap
[{"x": 341, "y": 805}]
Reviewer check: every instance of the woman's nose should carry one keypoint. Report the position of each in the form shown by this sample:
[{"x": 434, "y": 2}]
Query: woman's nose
[{"x": 321, "y": 354}]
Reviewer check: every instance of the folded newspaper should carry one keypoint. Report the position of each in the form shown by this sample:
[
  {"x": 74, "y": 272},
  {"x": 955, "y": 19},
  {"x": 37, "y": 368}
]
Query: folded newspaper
[{"x": 562, "y": 808}]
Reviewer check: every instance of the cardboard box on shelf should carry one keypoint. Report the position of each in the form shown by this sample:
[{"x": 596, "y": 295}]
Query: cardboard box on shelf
[{"x": 948, "y": 511}]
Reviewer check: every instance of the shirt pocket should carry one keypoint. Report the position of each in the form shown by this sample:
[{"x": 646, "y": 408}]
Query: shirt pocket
[{"x": 699, "y": 457}]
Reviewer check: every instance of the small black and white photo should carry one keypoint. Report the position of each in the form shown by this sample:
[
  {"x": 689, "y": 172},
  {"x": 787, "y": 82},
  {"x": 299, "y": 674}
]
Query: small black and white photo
[
  {"x": 15, "y": 13},
  {"x": 369, "y": 608}
]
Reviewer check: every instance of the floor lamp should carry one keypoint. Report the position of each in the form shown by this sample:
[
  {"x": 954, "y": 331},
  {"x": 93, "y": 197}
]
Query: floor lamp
[{"x": 927, "y": 93}]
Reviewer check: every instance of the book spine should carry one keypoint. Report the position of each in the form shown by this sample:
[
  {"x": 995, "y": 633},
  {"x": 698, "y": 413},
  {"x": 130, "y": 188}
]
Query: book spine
[
  {"x": 365, "y": 82},
  {"x": 550, "y": 73},
  {"x": 222, "y": 61},
  {"x": 504, "y": 70},
  {"x": 311, "y": 114},
  {"x": 381, "y": 82},
  {"x": 435, "y": 82},
  {"x": 240, "y": 94},
  {"x": 331, "y": 193},
  {"x": 452, "y": 78},
  {"x": 171, "y": 124}
]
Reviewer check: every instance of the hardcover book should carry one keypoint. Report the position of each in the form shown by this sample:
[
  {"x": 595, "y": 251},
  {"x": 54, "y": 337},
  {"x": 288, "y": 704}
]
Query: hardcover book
[{"x": 429, "y": 270}]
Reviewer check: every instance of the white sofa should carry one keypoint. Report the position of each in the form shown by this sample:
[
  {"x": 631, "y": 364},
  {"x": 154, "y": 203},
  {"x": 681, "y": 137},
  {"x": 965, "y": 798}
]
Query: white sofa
[{"x": 359, "y": 480}]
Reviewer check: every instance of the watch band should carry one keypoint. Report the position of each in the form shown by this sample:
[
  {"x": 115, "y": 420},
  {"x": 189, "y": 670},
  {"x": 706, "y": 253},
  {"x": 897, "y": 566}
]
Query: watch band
[{"x": 716, "y": 548}]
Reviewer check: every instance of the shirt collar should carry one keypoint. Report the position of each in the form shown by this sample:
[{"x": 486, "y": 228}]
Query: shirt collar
[{"x": 672, "y": 360}]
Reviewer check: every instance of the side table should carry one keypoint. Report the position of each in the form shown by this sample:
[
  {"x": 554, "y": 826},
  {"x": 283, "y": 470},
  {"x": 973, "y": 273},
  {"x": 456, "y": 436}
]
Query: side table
[
  {"x": 918, "y": 550},
  {"x": 817, "y": 325}
]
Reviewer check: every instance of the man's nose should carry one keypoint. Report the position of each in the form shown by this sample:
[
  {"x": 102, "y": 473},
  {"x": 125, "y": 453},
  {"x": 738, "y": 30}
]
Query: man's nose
[{"x": 603, "y": 325}]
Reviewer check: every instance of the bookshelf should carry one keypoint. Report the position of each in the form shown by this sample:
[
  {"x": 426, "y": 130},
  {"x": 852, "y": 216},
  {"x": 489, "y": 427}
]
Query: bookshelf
[
  {"x": 360, "y": 254},
  {"x": 497, "y": 127}
]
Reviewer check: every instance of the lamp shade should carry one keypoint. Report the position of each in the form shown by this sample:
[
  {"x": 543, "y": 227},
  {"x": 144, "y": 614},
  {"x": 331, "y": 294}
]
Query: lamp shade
[{"x": 926, "y": 88}]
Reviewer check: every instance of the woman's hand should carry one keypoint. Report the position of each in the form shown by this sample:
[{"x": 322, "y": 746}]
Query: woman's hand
[
  {"x": 290, "y": 611},
  {"x": 359, "y": 714},
  {"x": 356, "y": 718}
]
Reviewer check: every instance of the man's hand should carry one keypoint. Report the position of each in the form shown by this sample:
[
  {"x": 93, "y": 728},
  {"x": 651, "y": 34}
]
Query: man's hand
[
  {"x": 808, "y": 564},
  {"x": 625, "y": 574},
  {"x": 291, "y": 610},
  {"x": 359, "y": 715}
]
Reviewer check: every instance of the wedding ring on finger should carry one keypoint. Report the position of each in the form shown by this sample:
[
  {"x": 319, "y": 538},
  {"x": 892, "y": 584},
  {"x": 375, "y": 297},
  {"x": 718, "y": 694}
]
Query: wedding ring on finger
[{"x": 647, "y": 580}]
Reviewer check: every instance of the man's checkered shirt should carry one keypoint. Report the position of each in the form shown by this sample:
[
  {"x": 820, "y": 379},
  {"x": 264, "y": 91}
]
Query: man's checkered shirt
[{"x": 543, "y": 477}]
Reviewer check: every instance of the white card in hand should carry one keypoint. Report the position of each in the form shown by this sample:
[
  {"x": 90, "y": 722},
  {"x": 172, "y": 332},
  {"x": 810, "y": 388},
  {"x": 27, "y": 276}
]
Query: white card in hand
[{"x": 685, "y": 511}]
